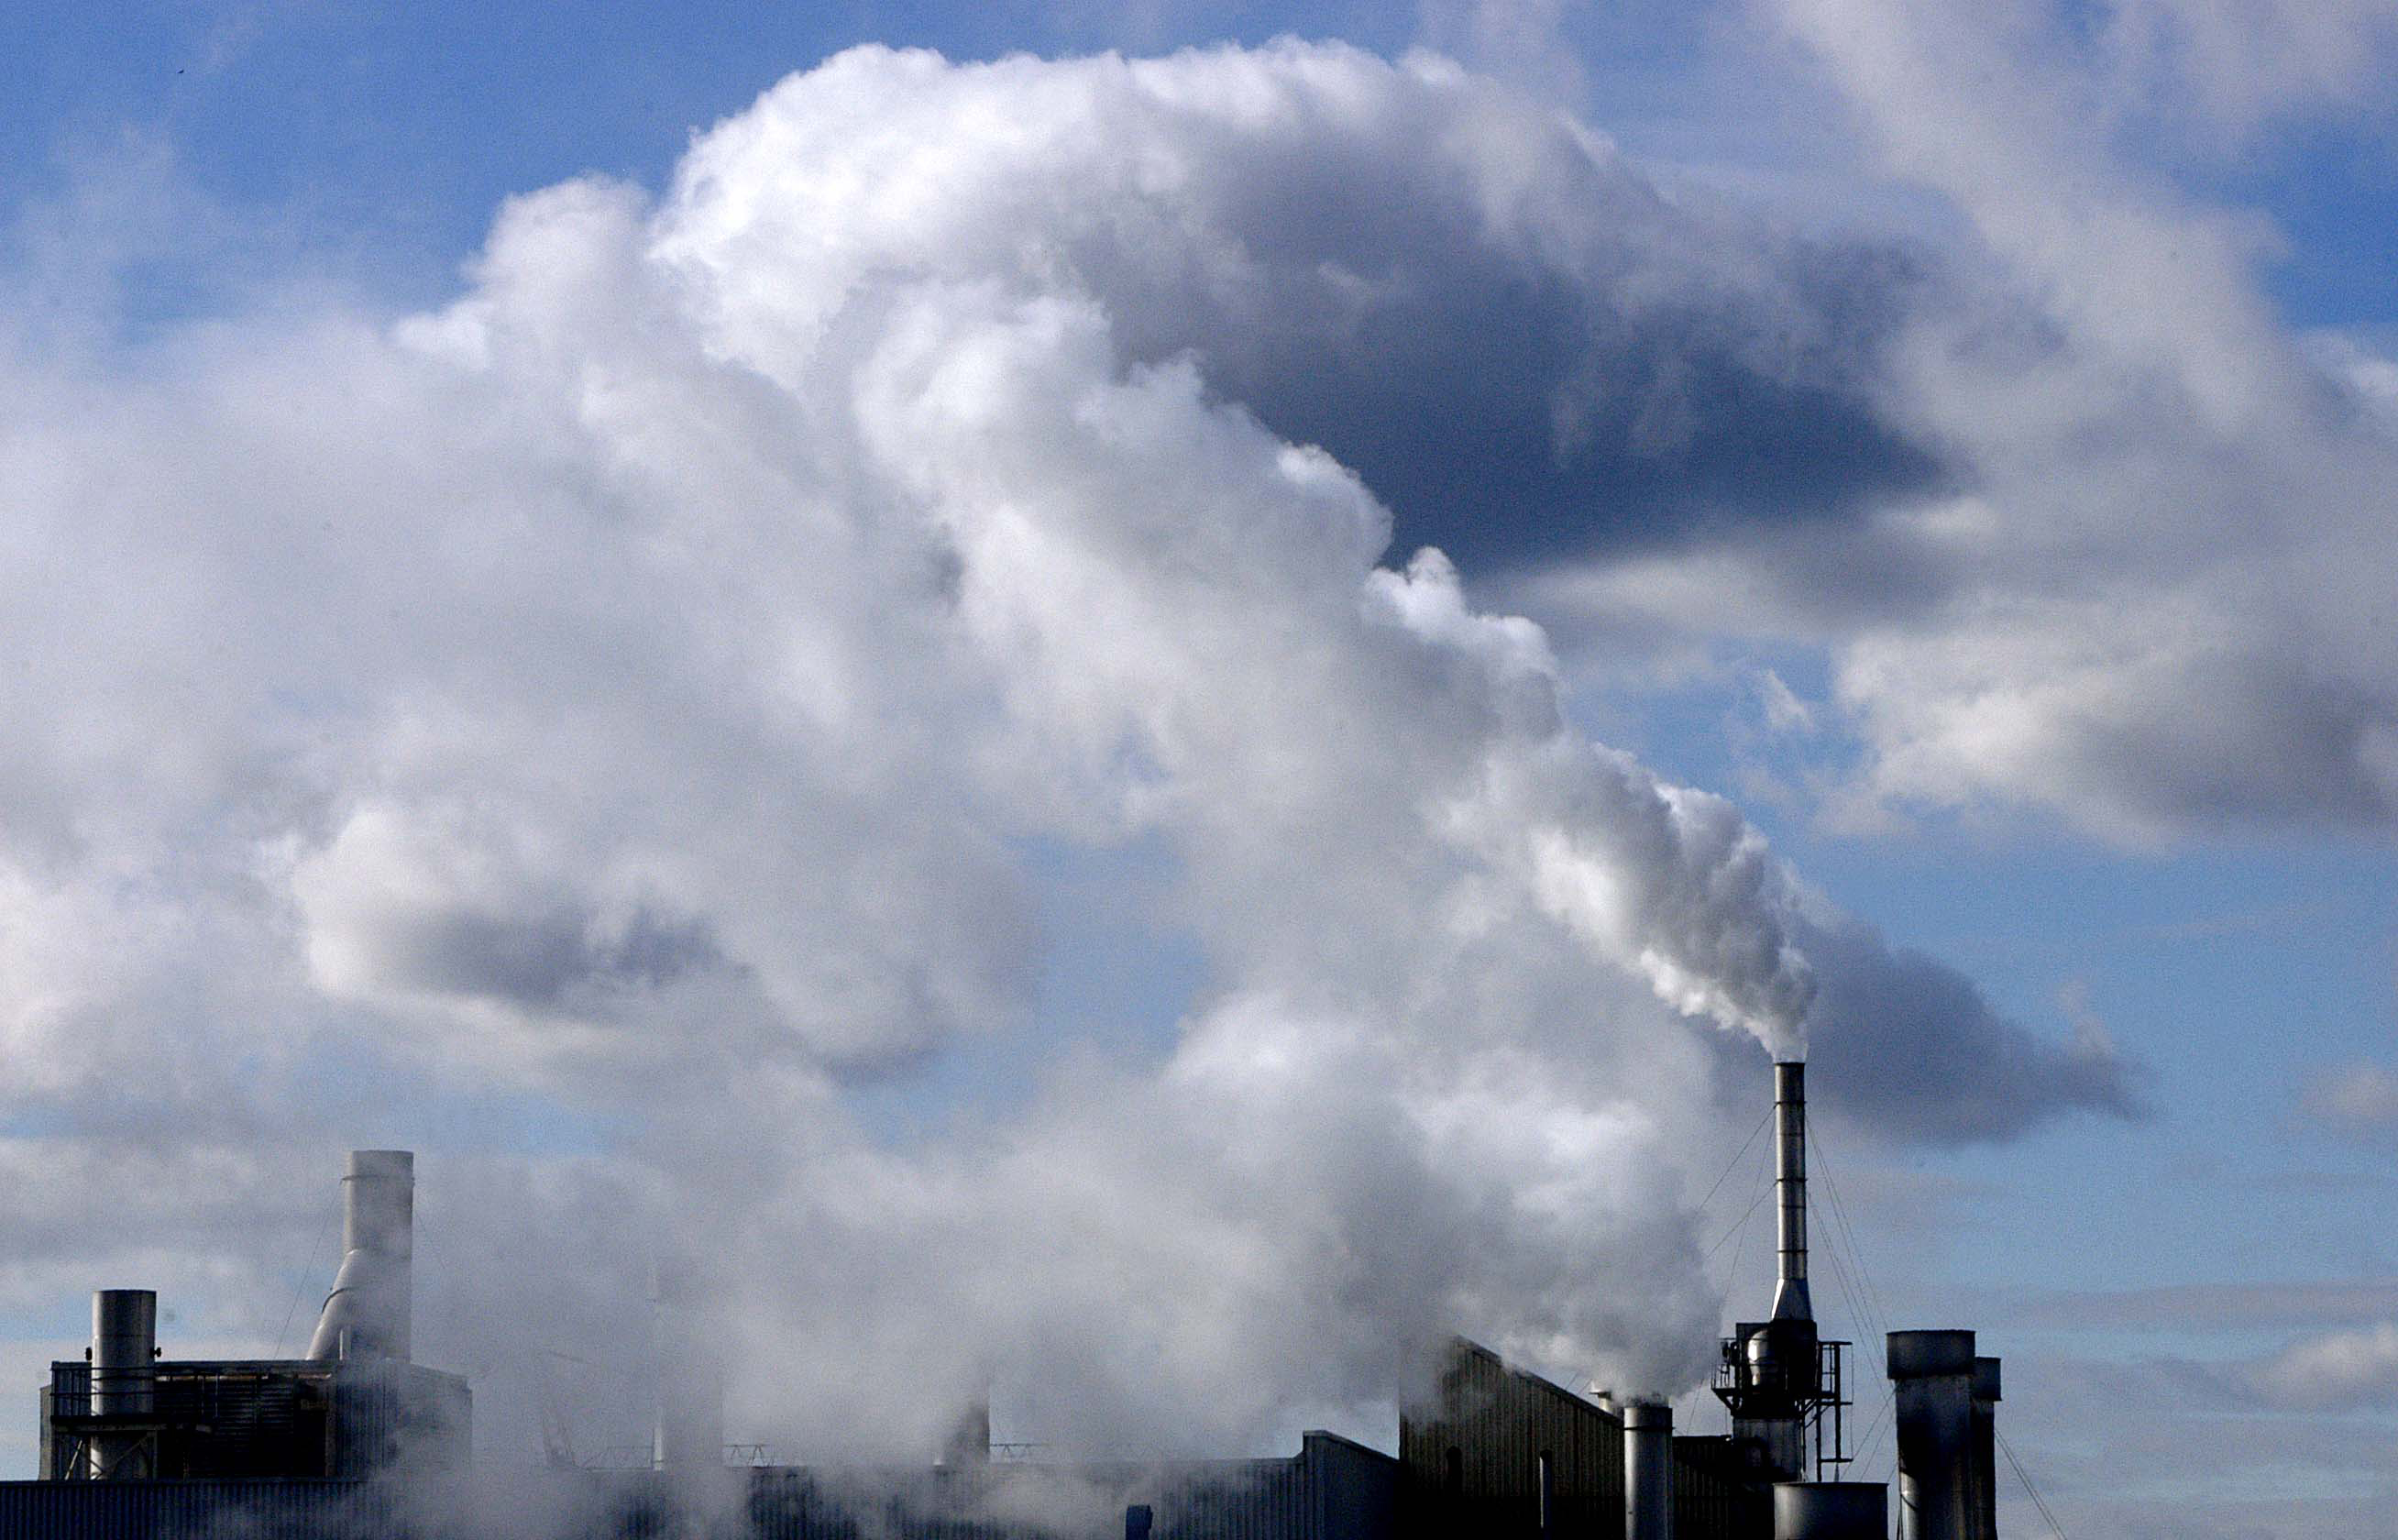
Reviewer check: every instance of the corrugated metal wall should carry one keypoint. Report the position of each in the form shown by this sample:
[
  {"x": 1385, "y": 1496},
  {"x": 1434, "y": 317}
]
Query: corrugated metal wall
[
  {"x": 1221, "y": 1499},
  {"x": 1714, "y": 1496},
  {"x": 1469, "y": 1461},
  {"x": 1355, "y": 1489},
  {"x": 1470, "y": 1464},
  {"x": 1332, "y": 1489},
  {"x": 233, "y": 1509}
]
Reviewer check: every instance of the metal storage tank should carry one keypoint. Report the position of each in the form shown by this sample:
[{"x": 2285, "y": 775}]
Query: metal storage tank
[{"x": 1831, "y": 1510}]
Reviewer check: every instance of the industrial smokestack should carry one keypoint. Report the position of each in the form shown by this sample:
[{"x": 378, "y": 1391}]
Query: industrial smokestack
[
  {"x": 1984, "y": 1447},
  {"x": 1647, "y": 1471},
  {"x": 1790, "y": 1298},
  {"x": 368, "y": 1314},
  {"x": 124, "y": 1382},
  {"x": 1777, "y": 1370},
  {"x": 1932, "y": 1376}
]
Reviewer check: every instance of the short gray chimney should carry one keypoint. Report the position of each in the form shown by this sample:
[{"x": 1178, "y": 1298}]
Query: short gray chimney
[
  {"x": 1647, "y": 1471},
  {"x": 124, "y": 1382}
]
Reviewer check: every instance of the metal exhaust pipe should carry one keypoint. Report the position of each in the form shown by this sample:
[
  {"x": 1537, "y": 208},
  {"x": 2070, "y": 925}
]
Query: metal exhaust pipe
[
  {"x": 1647, "y": 1471},
  {"x": 124, "y": 1382},
  {"x": 1790, "y": 1297},
  {"x": 369, "y": 1313}
]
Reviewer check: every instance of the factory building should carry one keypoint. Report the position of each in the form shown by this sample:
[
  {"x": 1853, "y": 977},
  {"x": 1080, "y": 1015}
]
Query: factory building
[
  {"x": 355, "y": 1407},
  {"x": 356, "y": 1440}
]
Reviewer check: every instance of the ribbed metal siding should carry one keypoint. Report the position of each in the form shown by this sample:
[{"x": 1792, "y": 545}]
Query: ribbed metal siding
[
  {"x": 1714, "y": 1497},
  {"x": 399, "y": 1417},
  {"x": 1501, "y": 1421},
  {"x": 1267, "y": 1501},
  {"x": 250, "y": 1509},
  {"x": 1353, "y": 1490},
  {"x": 1293, "y": 1499},
  {"x": 1218, "y": 1500}
]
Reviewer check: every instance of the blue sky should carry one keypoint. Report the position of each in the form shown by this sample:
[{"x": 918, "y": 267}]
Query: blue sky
[{"x": 1965, "y": 449}]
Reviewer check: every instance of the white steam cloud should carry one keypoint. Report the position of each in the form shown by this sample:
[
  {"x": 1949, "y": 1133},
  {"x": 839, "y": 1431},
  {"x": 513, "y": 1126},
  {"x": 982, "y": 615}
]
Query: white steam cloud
[{"x": 644, "y": 685}]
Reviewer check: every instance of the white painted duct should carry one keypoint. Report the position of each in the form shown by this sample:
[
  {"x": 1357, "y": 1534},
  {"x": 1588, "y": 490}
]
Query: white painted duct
[{"x": 368, "y": 1314}]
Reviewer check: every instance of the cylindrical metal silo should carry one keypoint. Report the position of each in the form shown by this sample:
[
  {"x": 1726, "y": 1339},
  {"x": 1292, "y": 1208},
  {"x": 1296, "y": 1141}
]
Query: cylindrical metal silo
[
  {"x": 1831, "y": 1510},
  {"x": 1932, "y": 1378},
  {"x": 1647, "y": 1471},
  {"x": 124, "y": 1380}
]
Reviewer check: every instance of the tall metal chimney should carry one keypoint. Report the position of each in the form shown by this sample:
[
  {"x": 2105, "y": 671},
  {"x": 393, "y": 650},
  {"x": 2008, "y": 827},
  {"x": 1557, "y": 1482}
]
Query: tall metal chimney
[
  {"x": 1647, "y": 1471},
  {"x": 124, "y": 1382},
  {"x": 1931, "y": 1377},
  {"x": 1772, "y": 1380},
  {"x": 1790, "y": 1298},
  {"x": 368, "y": 1314}
]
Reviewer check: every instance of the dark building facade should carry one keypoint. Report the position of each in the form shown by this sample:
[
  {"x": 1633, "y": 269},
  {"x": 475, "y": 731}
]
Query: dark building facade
[{"x": 1502, "y": 1452}]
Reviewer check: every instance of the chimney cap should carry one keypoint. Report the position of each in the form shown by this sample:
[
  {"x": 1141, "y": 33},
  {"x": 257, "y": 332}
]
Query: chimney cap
[{"x": 1920, "y": 1355}]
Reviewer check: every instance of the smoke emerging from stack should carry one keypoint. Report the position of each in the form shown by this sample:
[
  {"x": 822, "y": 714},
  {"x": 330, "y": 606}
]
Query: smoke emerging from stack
[{"x": 651, "y": 683}]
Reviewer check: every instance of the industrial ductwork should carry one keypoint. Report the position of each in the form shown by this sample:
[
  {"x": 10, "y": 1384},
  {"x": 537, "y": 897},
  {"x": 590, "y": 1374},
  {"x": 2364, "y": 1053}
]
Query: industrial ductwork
[
  {"x": 124, "y": 1382},
  {"x": 368, "y": 1314},
  {"x": 1647, "y": 1471},
  {"x": 1931, "y": 1377}
]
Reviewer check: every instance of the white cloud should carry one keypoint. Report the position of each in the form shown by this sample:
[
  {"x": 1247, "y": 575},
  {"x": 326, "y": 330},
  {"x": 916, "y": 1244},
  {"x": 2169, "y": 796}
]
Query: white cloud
[
  {"x": 2242, "y": 65},
  {"x": 2357, "y": 1099},
  {"x": 635, "y": 685},
  {"x": 2143, "y": 589},
  {"x": 2338, "y": 1369}
]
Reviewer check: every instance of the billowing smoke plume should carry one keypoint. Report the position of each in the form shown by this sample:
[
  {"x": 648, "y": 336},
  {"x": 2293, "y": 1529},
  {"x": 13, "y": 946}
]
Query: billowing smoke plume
[{"x": 655, "y": 684}]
